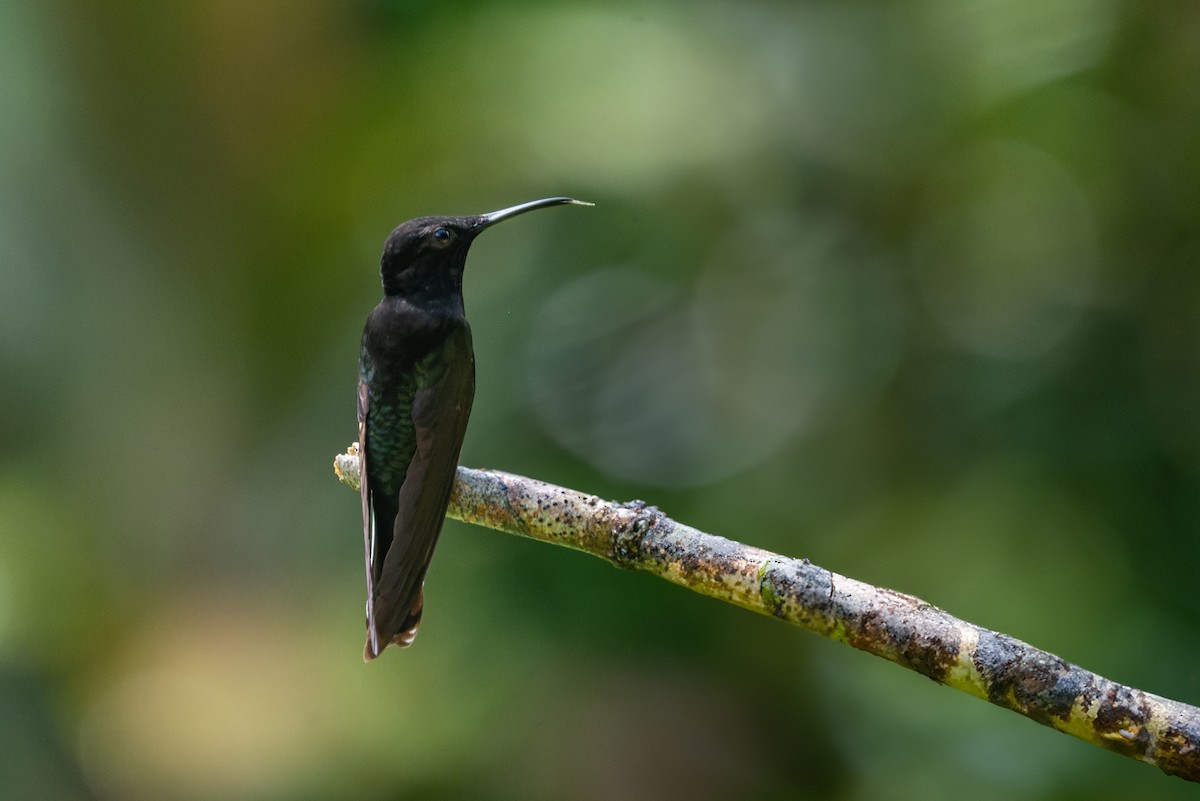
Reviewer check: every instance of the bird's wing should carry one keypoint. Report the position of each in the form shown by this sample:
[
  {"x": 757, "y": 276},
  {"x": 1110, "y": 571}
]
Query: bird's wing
[
  {"x": 364, "y": 409},
  {"x": 440, "y": 408}
]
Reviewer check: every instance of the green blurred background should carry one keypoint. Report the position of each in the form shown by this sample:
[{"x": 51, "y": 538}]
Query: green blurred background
[{"x": 907, "y": 288}]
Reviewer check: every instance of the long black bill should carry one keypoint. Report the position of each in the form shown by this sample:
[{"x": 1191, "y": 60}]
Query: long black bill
[{"x": 486, "y": 220}]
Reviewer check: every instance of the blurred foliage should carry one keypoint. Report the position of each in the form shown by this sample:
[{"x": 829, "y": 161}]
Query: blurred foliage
[{"x": 907, "y": 288}]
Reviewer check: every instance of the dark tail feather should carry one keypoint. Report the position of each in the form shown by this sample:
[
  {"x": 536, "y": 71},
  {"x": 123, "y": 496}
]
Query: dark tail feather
[{"x": 403, "y": 637}]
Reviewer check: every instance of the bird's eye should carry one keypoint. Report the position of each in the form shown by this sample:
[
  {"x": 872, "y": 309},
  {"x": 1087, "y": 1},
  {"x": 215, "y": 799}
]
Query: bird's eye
[{"x": 441, "y": 233}]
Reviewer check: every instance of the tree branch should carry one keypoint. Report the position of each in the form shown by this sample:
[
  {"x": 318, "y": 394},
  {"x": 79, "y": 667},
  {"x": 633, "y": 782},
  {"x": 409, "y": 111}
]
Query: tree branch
[{"x": 898, "y": 627}]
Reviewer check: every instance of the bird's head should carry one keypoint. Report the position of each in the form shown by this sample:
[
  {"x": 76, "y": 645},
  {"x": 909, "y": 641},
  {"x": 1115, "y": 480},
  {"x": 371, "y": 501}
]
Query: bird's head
[{"x": 424, "y": 258}]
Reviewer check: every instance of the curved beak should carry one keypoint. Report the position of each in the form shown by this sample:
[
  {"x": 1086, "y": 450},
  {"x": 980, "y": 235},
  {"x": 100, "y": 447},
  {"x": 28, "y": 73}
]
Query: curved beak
[{"x": 486, "y": 220}]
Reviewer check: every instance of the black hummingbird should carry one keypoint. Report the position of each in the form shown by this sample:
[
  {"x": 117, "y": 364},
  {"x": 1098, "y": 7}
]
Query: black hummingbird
[{"x": 416, "y": 381}]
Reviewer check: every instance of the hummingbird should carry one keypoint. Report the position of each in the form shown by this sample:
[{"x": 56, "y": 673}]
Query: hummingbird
[{"x": 416, "y": 382}]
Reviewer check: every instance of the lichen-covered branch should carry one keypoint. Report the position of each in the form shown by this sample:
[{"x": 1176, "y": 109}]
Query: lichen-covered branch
[{"x": 895, "y": 626}]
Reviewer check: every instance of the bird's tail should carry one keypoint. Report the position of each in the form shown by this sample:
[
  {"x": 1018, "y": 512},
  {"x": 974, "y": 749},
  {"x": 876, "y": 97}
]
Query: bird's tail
[{"x": 403, "y": 637}]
